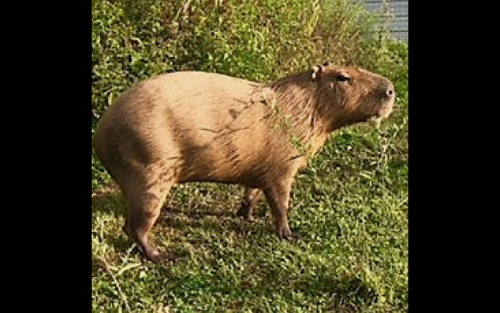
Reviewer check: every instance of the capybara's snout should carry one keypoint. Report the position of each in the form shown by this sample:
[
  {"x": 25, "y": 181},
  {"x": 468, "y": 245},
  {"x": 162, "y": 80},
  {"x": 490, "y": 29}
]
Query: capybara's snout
[
  {"x": 387, "y": 94},
  {"x": 387, "y": 89}
]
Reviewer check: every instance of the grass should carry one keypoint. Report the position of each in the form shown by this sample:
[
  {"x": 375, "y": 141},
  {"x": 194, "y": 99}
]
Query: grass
[{"x": 350, "y": 207}]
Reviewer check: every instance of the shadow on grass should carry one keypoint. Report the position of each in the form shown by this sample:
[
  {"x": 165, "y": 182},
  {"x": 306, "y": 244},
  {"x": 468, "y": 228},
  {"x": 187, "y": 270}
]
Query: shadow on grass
[
  {"x": 345, "y": 294},
  {"x": 208, "y": 221}
]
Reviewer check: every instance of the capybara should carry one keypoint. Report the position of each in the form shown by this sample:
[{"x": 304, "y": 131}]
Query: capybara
[{"x": 205, "y": 127}]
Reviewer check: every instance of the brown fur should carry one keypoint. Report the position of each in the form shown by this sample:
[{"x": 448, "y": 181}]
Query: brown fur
[{"x": 194, "y": 126}]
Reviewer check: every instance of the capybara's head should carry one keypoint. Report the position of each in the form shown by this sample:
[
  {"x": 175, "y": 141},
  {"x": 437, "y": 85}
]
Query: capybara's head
[{"x": 353, "y": 94}]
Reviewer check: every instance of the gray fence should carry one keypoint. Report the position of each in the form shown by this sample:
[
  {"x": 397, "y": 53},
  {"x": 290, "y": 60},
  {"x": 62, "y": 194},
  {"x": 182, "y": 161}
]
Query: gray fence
[{"x": 398, "y": 15}]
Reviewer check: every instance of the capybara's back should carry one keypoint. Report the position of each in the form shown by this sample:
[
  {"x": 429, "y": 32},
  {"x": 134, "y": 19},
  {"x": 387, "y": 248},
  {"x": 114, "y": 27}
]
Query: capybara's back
[{"x": 195, "y": 126}]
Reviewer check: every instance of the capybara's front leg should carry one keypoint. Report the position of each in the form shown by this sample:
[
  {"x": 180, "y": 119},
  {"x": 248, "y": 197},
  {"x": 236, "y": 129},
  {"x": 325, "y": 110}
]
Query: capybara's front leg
[
  {"x": 250, "y": 200},
  {"x": 278, "y": 197}
]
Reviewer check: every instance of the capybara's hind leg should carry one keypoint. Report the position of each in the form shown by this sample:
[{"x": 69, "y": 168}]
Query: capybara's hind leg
[
  {"x": 250, "y": 200},
  {"x": 143, "y": 208}
]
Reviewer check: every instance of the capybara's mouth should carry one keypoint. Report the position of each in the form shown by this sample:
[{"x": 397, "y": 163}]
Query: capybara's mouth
[
  {"x": 375, "y": 121},
  {"x": 385, "y": 111},
  {"x": 382, "y": 114}
]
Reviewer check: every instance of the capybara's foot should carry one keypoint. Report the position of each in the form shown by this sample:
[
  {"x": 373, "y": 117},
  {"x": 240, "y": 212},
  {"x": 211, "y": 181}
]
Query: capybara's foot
[
  {"x": 250, "y": 199},
  {"x": 286, "y": 234},
  {"x": 145, "y": 248},
  {"x": 245, "y": 212},
  {"x": 294, "y": 238},
  {"x": 160, "y": 258},
  {"x": 153, "y": 256}
]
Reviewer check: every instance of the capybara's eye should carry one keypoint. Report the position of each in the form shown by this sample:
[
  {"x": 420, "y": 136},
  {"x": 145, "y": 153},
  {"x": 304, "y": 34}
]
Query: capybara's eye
[{"x": 342, "y": 78}]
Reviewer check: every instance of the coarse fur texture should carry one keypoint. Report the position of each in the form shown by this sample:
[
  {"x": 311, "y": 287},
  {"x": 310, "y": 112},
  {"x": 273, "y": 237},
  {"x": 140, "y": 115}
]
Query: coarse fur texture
[{"x": 195, "y": 126}]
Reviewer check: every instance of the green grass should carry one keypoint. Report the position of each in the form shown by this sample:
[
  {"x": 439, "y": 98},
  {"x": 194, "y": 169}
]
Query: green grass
[{"x": 350, "y": 206}]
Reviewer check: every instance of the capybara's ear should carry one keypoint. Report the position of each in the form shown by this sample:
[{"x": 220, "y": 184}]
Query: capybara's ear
[{"x": 316, "y": 72}]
